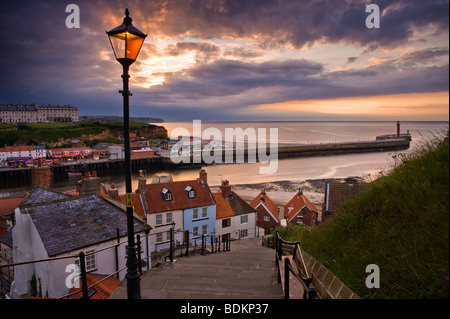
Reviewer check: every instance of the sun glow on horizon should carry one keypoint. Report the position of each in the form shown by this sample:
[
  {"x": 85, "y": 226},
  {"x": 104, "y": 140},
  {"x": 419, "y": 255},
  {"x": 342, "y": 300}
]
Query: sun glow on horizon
[{"x": 423, "y": 106}]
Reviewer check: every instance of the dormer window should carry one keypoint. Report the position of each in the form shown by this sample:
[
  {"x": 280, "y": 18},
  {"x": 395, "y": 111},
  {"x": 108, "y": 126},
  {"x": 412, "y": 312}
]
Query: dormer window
[
  {"x": 190, "y": 192},
  {"x": 167, "y": 195}
]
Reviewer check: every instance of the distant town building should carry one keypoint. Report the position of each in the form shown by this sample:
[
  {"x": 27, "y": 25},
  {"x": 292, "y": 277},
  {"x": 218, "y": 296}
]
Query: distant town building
[{"x": 34, "y": 113}]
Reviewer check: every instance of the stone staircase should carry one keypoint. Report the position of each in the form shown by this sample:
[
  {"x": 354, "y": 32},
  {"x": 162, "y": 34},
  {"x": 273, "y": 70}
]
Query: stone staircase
[{"x": 247, "y": 271}]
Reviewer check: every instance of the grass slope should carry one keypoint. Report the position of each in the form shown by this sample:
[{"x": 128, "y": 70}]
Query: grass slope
[{"x": 401, "y": 224}]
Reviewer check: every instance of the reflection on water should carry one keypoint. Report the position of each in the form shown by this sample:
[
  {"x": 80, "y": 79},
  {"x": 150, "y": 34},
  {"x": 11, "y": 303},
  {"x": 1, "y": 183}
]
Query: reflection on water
[{"x": 292, "y": 169}]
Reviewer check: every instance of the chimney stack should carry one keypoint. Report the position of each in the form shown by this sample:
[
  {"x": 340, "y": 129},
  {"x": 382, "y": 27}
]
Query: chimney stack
[
  {"x": 398, "y": 129},
  {"x": 263, "y": 195},
  {"x": 142, "y": 181},
  {"x": 203, "y": 176},
  {"x": 42, "y": 176},
  {"x": 225, "y": 188}
]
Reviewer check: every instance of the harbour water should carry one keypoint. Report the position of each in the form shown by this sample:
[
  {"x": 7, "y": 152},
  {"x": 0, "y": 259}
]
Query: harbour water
[{"x": 366, "y": 165}]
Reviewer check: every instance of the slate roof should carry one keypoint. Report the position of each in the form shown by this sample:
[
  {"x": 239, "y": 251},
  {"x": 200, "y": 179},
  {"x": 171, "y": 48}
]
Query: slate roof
[
  {"x": 336, "y": 193},
  {"x": 69, "y": 224},
  {"x": 42, "y": 195}
]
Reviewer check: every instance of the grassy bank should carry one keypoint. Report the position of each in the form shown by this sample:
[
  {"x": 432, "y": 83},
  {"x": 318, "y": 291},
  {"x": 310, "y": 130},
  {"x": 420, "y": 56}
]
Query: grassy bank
[
  {"x": 34, "y": 134},
  {"x": 401, "y": 224}
]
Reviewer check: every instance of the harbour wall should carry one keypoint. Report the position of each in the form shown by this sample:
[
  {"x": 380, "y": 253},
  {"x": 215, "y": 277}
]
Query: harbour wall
[{"x": 22, "y": 176}]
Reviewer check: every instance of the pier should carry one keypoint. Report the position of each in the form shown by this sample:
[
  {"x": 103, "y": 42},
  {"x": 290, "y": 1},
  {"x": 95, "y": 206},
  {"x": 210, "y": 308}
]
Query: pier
[{"x": 11, "y": 177}]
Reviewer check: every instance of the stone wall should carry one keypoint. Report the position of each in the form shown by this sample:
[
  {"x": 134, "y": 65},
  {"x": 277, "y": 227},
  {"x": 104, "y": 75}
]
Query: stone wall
[{"x": 327, "y": 285}]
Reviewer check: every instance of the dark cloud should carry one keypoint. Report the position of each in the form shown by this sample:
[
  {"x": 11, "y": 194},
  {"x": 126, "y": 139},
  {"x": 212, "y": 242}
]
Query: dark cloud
[{"x": 42, "y": 61}]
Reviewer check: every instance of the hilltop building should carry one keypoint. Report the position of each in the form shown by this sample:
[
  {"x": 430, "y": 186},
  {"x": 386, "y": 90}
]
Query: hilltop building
[{"x": 34, "y": 113}]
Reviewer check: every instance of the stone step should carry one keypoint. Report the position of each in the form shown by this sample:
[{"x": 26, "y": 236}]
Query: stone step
[{"x": 246, "y": 271}]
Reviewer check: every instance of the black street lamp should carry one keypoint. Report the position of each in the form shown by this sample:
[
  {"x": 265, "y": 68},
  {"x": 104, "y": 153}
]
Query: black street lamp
[{"x": 126, "y": 42}]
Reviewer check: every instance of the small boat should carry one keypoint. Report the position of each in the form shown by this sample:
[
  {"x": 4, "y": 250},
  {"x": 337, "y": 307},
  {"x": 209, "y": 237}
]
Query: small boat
[{"x": 74, "y": 174}]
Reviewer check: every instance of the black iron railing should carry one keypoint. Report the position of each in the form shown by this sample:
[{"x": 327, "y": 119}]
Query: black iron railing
[{"x": 309, "y": 291}]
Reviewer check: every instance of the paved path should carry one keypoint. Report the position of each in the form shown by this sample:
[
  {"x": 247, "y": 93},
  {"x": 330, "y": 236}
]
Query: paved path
[{"x": 246, "y": 271}]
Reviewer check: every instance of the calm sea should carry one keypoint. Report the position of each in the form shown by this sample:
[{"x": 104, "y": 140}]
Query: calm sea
[{"x": 297, "y": 169}]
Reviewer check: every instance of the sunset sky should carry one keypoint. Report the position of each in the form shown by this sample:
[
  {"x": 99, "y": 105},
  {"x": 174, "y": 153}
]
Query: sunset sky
[{"x": 217, "y": 60}]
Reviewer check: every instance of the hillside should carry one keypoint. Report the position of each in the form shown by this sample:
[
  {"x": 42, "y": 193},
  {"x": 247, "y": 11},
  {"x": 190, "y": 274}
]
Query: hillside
[
  {"x": 401, "y": 224},
  {"x": 60, "y": 134}
]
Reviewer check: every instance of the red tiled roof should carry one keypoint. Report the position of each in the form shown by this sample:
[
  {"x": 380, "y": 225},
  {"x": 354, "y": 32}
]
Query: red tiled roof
[
  {"x": 7, "y": 205},
  {"x": 232, "y": 205},
  {"x": 297, "y": 203},
  {"x": 104, "y": 289},
  {"x": 154, "y": 198},
  {"x": 268, "y": 204},
  {"x": 223, "y": 207}
]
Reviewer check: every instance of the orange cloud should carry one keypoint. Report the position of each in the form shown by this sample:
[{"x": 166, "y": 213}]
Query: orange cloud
[{"x": 421, "y": 106}]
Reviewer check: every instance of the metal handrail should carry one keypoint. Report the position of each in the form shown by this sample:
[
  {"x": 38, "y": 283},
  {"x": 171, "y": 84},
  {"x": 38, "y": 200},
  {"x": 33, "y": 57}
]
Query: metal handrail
[{"x": 310, "y": 292}]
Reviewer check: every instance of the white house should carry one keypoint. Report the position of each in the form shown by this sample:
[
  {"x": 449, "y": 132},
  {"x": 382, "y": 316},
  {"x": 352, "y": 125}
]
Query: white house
[
  {"x": 54, "y": 225},
  {"x": 181, "y": 205},
  {"x": 235, "y": 218}
]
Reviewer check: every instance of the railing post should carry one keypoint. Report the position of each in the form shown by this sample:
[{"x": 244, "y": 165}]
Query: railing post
[
  {"x": 286, "y": 278},
  {"x": 276, "y": 248},
  {"x": 186, "y": 237},
  {"x": 84, "y": 286},
  {"x": 203, "y": 243},
  {"x": 171, "y": 245},
  {"x": 138, "y": 238},
  {"x": 116, "y": 249},
  {"x": 212, "y": 244}
]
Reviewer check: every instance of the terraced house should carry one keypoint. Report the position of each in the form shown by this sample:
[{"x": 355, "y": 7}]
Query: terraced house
[
  {"x": 181, "y": 205},
  {"x": 34, "y": 113}
]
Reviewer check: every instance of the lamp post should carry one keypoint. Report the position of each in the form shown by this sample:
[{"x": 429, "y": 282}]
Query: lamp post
[{"x": 126, "y": 42}]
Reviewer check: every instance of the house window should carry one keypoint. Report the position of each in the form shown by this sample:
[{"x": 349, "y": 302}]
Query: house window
[
  {"x": 167, "y": 195},
  {"x": 205, "y": 229},
  {"x": 168, "y": 235},
  {"x": 89, "y": 261},
  {"x": 159, "y": 237},
  {"x": 243, "y": 233},
  {"x": 226, "y": 222},
  {"x": 266, "y": 218},
  {"x": 244, "y": 219},
  {"x": 158, "y": 219},
  {"x": 300, "y": 220},
  {"x": 195, "y": 231},
  {"x": 168, "y": 218},
  {"x": 195, "y": 214},
  {"x": 204, "y": 212},
  {"x": 190, "y": 191}
]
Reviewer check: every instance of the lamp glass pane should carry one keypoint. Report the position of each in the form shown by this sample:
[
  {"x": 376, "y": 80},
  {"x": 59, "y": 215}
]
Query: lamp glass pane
[
  {"x": 118, "y": 42},
  {"x": 134, "y": 44}
]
